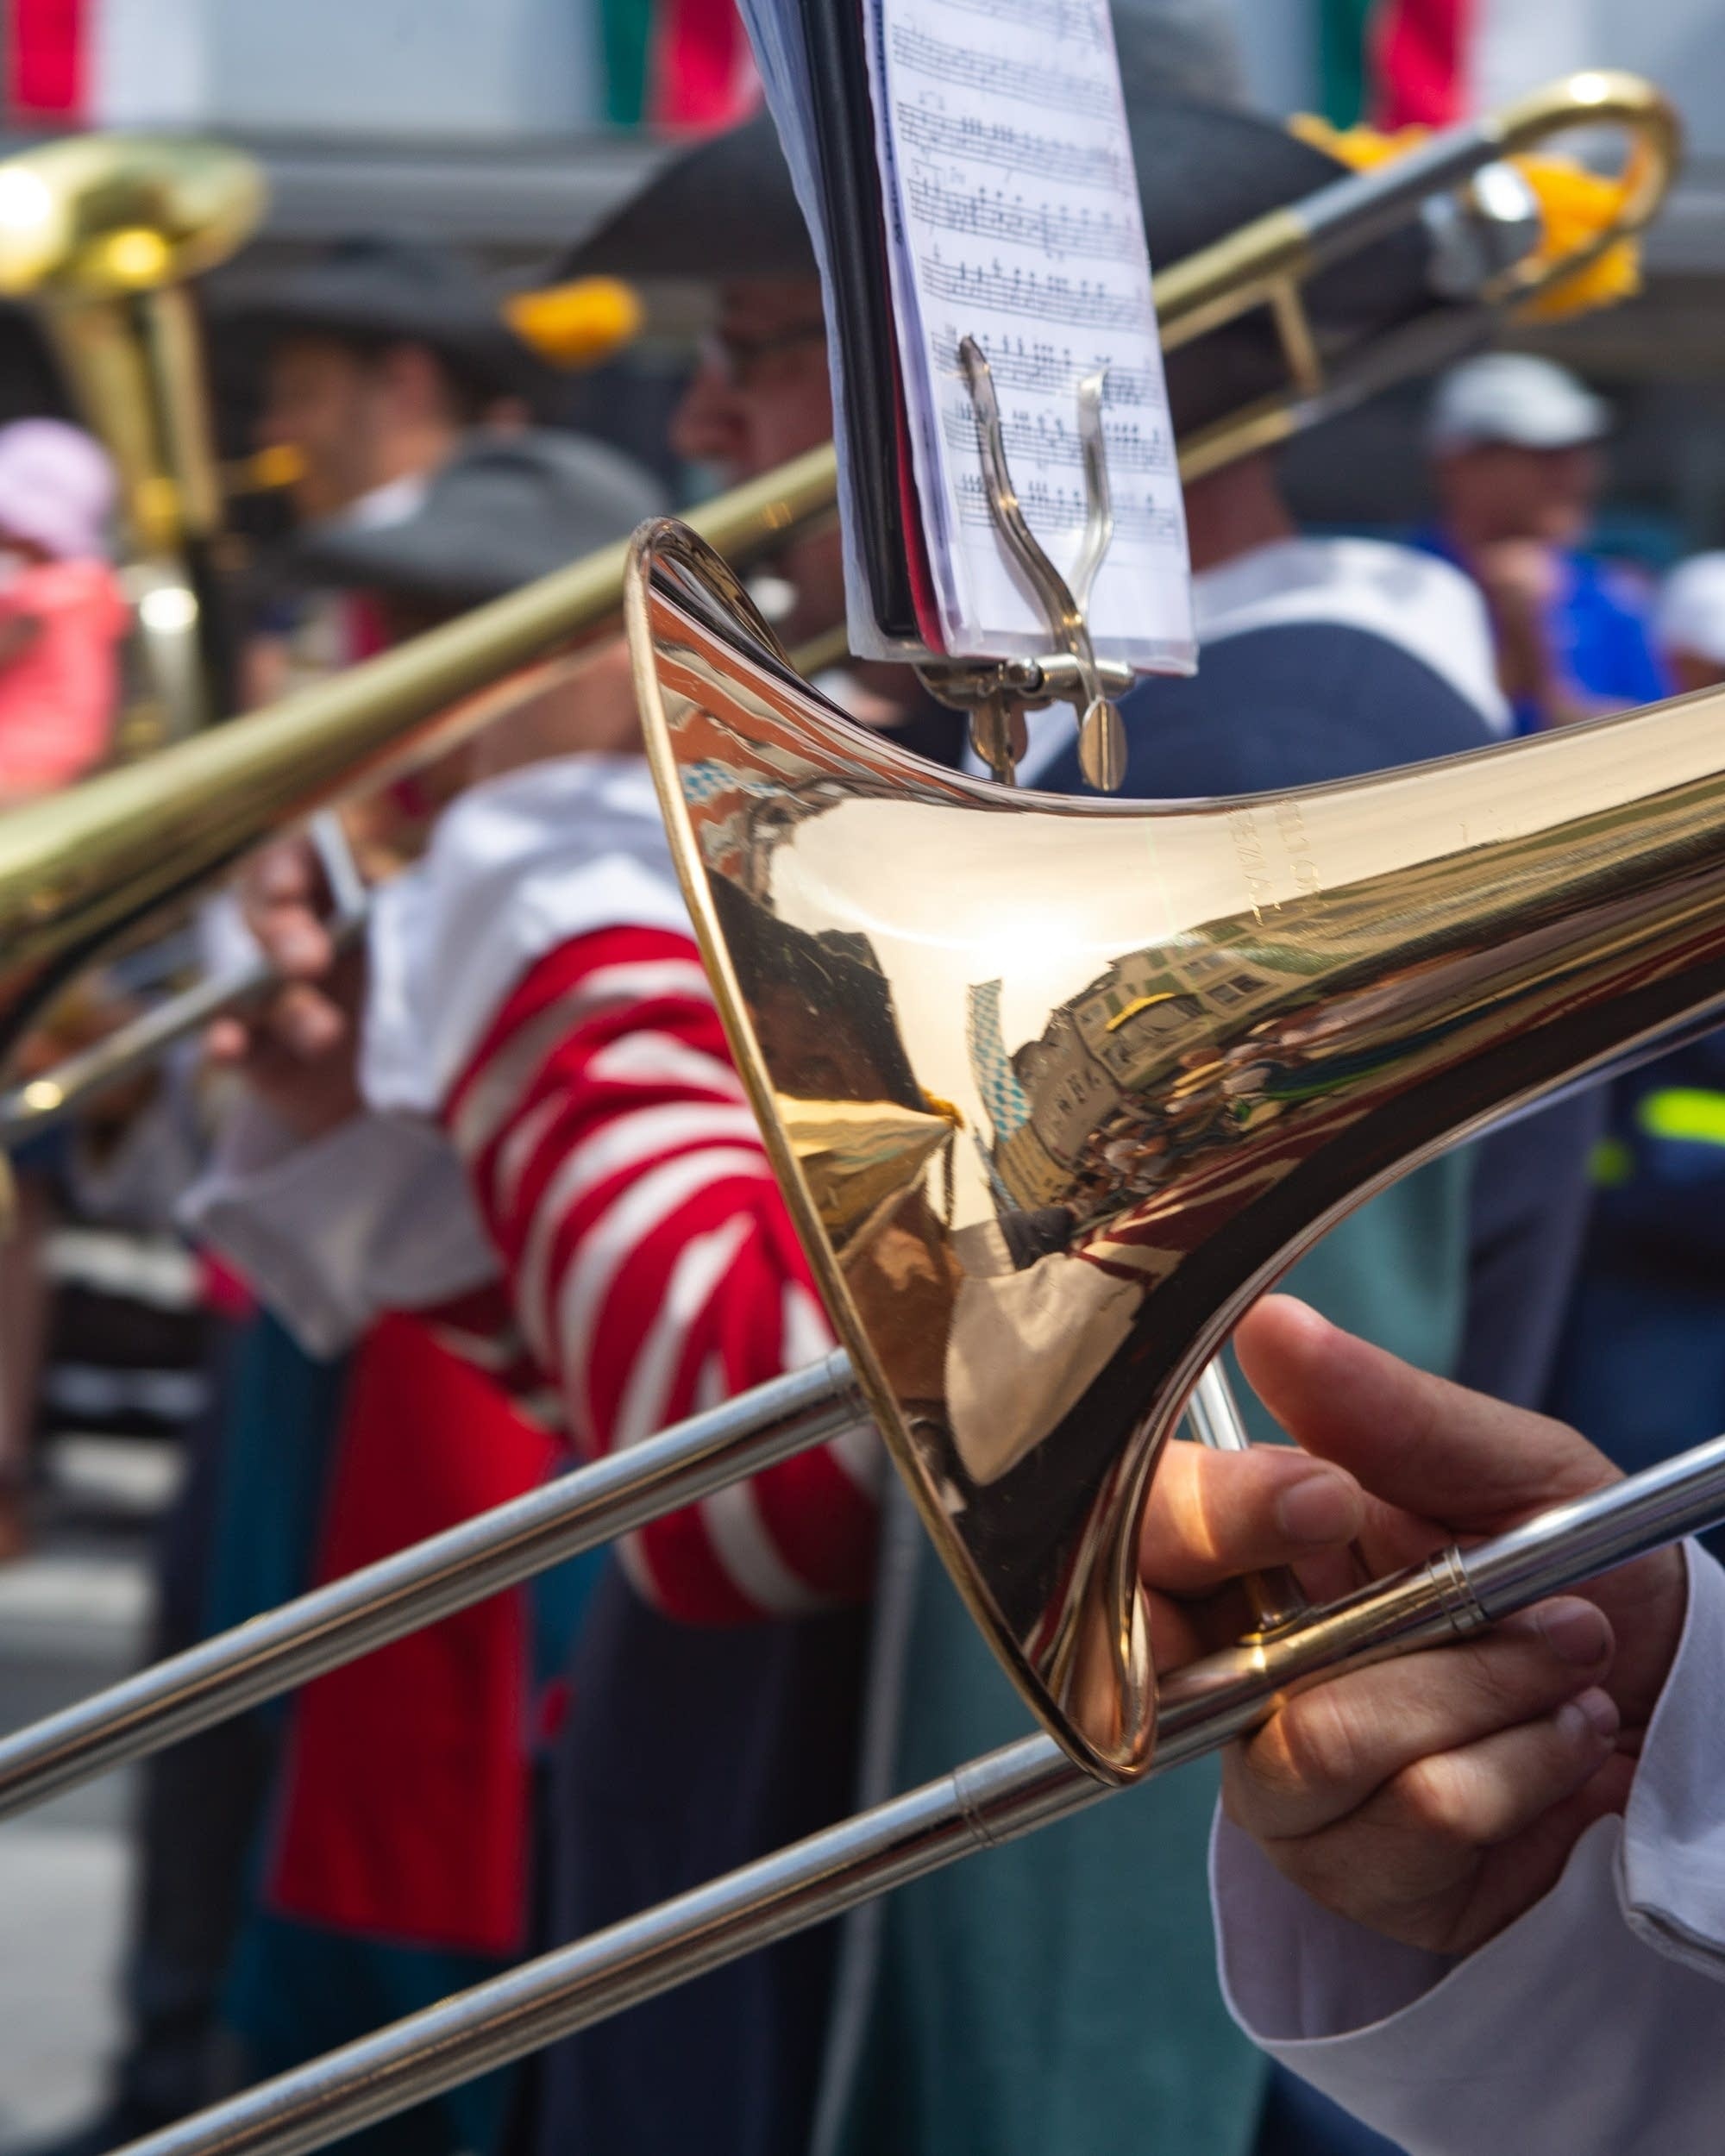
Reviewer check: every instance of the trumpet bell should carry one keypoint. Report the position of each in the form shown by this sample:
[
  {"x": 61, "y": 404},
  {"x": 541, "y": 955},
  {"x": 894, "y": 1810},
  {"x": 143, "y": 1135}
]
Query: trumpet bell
[{"x": 1055, "y": 1087}]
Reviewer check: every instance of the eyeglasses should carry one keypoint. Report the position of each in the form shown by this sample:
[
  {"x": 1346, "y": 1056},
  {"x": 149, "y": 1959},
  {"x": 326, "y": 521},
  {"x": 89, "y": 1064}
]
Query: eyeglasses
[{"x": 738, "y": 359}]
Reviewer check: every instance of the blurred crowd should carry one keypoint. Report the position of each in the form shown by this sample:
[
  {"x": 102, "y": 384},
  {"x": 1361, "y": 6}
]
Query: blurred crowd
[{"x": 577, "y": 1218}]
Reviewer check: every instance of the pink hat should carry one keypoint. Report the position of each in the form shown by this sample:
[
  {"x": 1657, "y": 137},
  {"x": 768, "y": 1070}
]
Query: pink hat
[{"x": 56, "y": 488}]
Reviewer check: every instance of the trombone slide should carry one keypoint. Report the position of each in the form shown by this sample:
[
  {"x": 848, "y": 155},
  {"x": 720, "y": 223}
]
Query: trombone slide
[
  {"x": 41, "y": 1104},
  {"x": 996, "y": 1798},
  {"x": 365, "y": 1609}
]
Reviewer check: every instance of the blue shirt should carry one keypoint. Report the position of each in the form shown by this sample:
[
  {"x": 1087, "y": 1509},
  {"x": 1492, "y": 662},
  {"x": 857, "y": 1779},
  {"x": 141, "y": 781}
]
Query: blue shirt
[{"x": 1599, "y": 633}]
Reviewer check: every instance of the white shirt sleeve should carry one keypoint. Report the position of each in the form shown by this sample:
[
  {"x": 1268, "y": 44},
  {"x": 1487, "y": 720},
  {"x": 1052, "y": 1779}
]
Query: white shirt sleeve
[
  {"x": 515, "y": 867},
  {"x": 380, "y": 1215},
  {"x": 1597, "y": 2022},
  {"x": 377, "y": 1215}
]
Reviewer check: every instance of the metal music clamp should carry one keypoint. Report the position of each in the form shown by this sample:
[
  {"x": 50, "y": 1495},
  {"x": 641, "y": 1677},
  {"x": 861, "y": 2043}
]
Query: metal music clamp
[
  {"x": 997, "y": 731},
  {"x": 997, "y": 694}
]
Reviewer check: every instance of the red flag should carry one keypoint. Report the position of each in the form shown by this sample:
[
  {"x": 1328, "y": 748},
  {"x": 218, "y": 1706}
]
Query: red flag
[
  {"x": 703, "y": 75},
  {"x": 1420, "y": 72},
  {"x": 47, "y": 44}
]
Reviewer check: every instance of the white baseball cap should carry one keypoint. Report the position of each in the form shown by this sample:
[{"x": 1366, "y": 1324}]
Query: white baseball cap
[
  {"x": 1514, "y": 397},
  {"x": 1691, "y": 612}
]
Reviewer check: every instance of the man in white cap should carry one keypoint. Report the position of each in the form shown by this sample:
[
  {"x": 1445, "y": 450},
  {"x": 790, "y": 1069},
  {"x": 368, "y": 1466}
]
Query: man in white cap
[
  {"x": 1514, "y": 441},
  {"x": 1688, "y": 623}
]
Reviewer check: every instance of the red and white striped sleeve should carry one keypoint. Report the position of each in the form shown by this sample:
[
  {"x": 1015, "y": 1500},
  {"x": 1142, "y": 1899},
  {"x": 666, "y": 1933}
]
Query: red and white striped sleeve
[{"x": 651, "y": 1266}]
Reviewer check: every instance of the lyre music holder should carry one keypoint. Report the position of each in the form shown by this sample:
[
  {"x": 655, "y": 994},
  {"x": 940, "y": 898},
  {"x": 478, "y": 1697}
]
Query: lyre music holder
[{"x": 998, "y": 691}]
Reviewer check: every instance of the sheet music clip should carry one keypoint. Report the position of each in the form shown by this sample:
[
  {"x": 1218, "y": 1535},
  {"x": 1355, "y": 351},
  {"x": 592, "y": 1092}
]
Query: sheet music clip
[{"x": 997, "y": 694}]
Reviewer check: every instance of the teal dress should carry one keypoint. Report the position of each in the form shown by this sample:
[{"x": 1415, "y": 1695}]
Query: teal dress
[{"x": 1058, "y": 1997}]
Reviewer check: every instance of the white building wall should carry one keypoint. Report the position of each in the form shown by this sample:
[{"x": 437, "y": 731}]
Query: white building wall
[
  {"x": 150, "y": 63},
  {"x": 480, "y": 69},
  {"x": 1679, "y": 44},
  {"x": 1279, "y": 41}
]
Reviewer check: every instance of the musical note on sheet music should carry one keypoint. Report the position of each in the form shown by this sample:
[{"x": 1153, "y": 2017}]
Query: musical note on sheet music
[
  {"x": 970, "y": 69},
  {"x": 1047, "y": 369},
  {"x": 1061, "y": 509},
  {"x": 1014, "y": 150},
  {"x": 1014, "y": 217},
  {"x": 997, "y": 214},
  {"x": 1044, "y": 441}
]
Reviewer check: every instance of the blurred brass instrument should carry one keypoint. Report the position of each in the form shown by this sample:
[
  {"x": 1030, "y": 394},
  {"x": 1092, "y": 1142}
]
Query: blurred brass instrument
[
  {"x": 1490, "y": 233},
  {"x": 1484, "y": 218},
  {"x": 1101, "y": 1070},
  {"x": 101, "y": 234}
]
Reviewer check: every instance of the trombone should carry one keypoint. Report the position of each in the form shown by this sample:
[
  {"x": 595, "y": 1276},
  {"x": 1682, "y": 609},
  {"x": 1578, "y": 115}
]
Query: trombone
[
  {"x": 79, "y": 868},
  {"x": 1390, "y": 986},
  {"x": 1423, "y": 982},
  {"x": 1490, "y": 230}
]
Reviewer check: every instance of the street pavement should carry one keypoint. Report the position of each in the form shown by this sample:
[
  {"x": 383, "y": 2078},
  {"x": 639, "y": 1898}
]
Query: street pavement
[{"x": 71, "y": 1618}]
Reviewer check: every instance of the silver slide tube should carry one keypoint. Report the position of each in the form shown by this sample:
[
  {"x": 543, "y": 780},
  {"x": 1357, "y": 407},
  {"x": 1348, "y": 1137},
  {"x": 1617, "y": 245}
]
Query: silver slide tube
[
  {"x": 994, "y": 1799},
  {"x": 496, "y": 1549}
]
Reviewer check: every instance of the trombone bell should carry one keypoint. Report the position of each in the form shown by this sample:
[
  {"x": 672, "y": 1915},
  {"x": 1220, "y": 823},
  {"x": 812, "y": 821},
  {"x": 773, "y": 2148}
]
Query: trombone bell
[{"x": 1056, "y": 1087}]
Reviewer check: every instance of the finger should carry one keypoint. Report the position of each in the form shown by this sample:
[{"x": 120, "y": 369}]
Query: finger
[
  {"x": 1214, "y": 1515},
  {"x": 1330, "y": 1750},
  {"x": 288, "y": 875},
  {"x": 227, "y": 1041},
  {"x": 1425, "y": 1840},
  {"x": 292, "y": 938},
  {"x": 284, "y": 898},
  {"x": 1414, "y": 1440},
  {"x": 297, "y": 943},
  {"x": 305, "y": 1023}
]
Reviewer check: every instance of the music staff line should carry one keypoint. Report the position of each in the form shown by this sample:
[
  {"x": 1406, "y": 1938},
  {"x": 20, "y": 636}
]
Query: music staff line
[
  {"x": 1010, "y": 149},
  {"x": 1058, "y": 233},
  {"x": 1072, "y": 22},
  {"x": 1052, "y": 88},
  {"x": 1049, "y": 441},
  {"x": 997, "y": 290},
  {"x": 1055, "y": 509},
  {"x": 1047, "y": 370}
]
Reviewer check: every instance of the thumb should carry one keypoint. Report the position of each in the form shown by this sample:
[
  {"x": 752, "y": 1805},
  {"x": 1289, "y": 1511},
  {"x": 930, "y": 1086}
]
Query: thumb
[{"x": 1414, "y": 1440}]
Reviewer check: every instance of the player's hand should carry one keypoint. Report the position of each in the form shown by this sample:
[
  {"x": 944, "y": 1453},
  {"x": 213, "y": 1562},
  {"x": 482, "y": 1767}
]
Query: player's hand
[
  {"x": 1214, "y": 1516},
  {"x": 297, "y": 1050},
  {"x": 1436, "y": 1797}
]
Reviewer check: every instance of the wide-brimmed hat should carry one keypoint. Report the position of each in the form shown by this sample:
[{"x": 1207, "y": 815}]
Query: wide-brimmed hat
[
  {"x": 723, "y": 209},
  {"x": 375, "y": 291},
  {"x": 505, "y": 509},
  {"x": 726, "y": 210},
  {"x": 1204, "y": 171}
]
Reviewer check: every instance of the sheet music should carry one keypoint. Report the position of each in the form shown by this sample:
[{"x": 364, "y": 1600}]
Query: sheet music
[
  {"x": 775, "y": 32},
  {"x": 1013, "y": 218}
]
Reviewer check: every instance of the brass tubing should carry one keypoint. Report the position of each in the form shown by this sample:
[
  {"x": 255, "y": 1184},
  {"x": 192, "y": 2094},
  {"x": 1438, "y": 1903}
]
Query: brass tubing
[
  {"x": 79, "y": 864},
  {"x": 500, "y": 1548},
  {"x": 39, "y": 1104},
  {"x": 1240, "y": 272},
  {"x": 994, "y": 1799}
]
